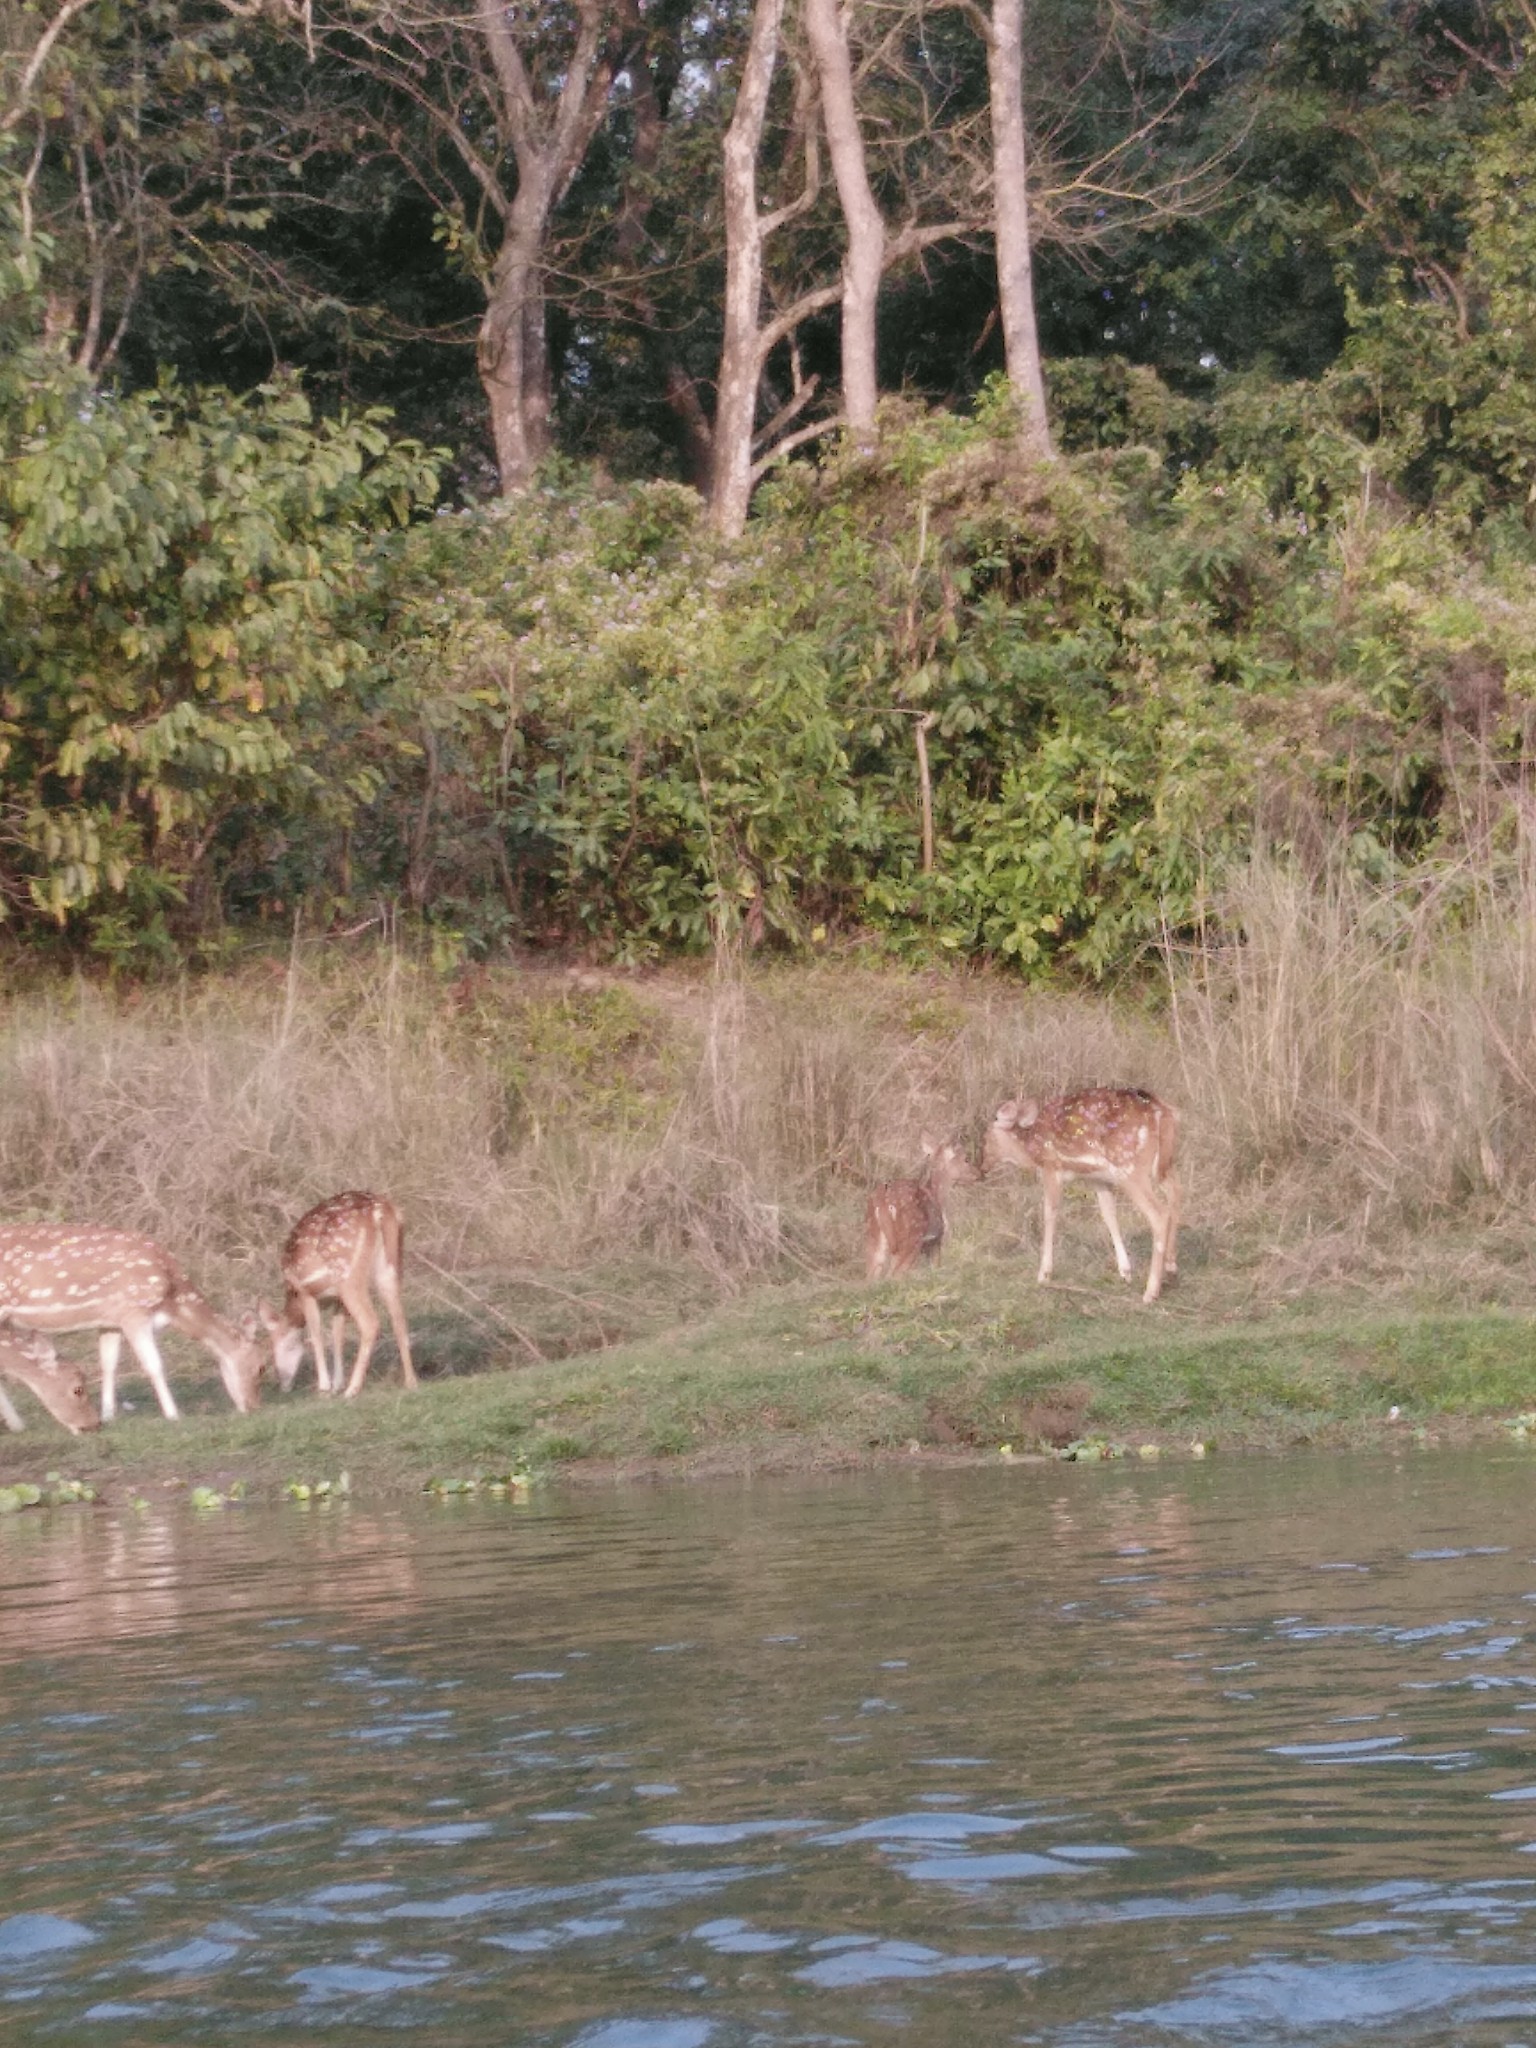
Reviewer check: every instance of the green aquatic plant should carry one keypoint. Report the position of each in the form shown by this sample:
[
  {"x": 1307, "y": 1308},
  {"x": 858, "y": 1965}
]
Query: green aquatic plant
[
  {"x": 55, "y": 1492},
  {"x": 319, "y": 1489},
  {"x": 498, "y": 1484},
  {"x": 1090, "y": 1450}
]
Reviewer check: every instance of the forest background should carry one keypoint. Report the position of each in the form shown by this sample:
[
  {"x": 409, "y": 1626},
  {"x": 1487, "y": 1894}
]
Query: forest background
[
  {"x": 1048, "y": 488},
  {"x": 270, "y": 297}
]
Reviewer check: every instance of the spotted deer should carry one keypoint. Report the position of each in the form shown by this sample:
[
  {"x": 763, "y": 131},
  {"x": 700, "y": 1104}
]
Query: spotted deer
[
  {"x": 33, "y": 1363},
  {"x": 904, "y": 1220},
  {"x": 332, "y": 1254},
  {"x": 1119, "y": 1140},
  {"x": 55, "y": 1277}
]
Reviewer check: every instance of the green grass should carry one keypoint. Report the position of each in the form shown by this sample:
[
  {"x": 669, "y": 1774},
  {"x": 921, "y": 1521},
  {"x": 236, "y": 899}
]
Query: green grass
[{"x": 954, "y": 1362}]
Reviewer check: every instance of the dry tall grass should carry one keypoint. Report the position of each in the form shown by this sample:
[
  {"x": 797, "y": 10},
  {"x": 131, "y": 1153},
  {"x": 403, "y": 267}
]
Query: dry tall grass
[
  {"x": 1354, "y": 1064},
  {"x": 1377, "y": 1040}
]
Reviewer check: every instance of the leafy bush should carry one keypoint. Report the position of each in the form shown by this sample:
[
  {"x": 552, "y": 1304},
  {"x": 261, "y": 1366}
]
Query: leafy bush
[
  {"x": 643, "y": 741},
  {"x": 231, "y": 689},
  {"x": 182, "y": 582}
]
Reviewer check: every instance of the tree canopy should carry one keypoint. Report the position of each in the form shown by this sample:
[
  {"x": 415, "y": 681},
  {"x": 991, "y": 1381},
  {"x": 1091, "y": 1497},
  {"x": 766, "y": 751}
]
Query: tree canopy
[{"x": 277, "y": 279}]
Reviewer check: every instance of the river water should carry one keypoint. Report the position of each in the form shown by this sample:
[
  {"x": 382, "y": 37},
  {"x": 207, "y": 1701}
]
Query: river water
[{"x": 1096, "y": 1757}]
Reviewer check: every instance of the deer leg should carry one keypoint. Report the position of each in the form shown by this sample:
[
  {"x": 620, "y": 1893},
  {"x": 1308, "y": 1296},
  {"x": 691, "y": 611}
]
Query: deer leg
[
  {"x": 1111, "y": 1217},
  {"x": 338, "y": 1348},
  {"x": 1156, "y": 1212},
  {"x": 386, "y": 1277},
  {"x": 359, "y": 1306},
  {"x": 1050, "y": 1184},
  {"x": 141, "y": 1341},
  {"x": 109, "y": 1348},
  {"x": 8, "y": 1414},
  {"x": 316, "y": 1331},
  {"x": 1173, "y": 1195}
]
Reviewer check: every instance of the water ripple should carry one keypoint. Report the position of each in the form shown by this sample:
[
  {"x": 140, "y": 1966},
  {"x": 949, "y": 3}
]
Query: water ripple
[{"x": 1067, "y": 1756}]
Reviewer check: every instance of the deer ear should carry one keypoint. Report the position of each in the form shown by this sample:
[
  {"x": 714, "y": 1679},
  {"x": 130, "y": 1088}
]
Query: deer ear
[{"x": 1025, "y": 1113}]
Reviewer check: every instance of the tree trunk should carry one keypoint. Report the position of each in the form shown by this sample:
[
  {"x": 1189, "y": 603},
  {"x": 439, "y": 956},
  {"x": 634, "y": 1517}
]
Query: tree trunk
[
  {"x": 512, "y": 356},
  {"x": 693, "y": 424},
  {"x": 827, "y": 29},
  {"x": 550, "y": 143},
  {"x": 1010, "y": 201},
  {"x": 730, "y": 488}
]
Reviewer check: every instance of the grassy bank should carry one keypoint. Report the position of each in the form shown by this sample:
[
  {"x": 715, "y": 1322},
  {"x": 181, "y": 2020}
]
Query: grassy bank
[
  {"x": 957, "y": 1363},
  {"x": 633, "y": 1201}
]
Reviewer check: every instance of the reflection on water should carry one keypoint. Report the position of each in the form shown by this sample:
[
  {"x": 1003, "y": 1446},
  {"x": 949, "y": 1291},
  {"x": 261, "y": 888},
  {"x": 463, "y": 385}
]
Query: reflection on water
[{"x": 1091, "y": 1757}]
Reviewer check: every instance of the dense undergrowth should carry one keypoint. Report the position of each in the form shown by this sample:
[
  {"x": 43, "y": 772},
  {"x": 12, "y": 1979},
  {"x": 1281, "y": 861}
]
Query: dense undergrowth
[{"x": 575, "y": 718}]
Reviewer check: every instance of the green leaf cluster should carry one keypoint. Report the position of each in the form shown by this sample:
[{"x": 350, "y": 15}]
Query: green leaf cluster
[
  {"x": 645, "y": 741},
  {"x": 185, "y": 591}
]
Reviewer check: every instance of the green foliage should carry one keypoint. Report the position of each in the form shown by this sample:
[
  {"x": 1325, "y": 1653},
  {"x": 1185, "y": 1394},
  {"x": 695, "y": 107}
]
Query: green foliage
[
  {"x": 647, "y": 742},
  {"x": 183, "y": 590},
  {"x": 1108, "y": 402},
  {"x": 1278, "y": 583},
  {"x": 575, "y": 717}
]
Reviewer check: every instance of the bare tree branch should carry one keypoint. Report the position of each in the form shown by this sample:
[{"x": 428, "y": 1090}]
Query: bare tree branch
[
  {"x": 798, "y": 439},
  {"x": 42, "y": 50}
]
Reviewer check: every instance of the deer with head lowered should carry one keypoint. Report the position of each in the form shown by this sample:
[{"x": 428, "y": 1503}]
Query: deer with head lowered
[
  {"x": 1119, "y": 1140},
  {"x": 33, "y": 1363},
  {"x": 904, "y": 1220},
  {"x": 332, "y": 1254},
  {"x": 55, "y": 1278}
]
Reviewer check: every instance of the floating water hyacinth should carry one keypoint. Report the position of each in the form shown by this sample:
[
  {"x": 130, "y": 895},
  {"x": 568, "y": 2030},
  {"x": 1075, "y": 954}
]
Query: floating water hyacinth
[
  {"x": 517, "y": 1481},
  {"x": 55, "y": 1492},
  {"x": 319, "y": 1489}
]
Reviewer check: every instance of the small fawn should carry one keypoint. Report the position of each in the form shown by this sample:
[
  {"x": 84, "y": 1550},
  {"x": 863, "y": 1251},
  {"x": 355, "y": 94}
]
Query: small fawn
[
  {"x": 904, "y": 1219},
  {"x": 1118, "y": 1140},
  {"x": 333, "y": 1253}
]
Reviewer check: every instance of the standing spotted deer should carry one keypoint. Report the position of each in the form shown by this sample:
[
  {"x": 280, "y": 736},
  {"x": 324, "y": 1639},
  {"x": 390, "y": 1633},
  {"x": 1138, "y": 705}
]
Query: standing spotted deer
[
  {"x": 904, "y": 1219},
  {"x": 33, "y": 1363},
  {"x": 332, "y": 1254},
  {"x": 55, "y": 1278},
  {"x": 1120, "y": 1140}
]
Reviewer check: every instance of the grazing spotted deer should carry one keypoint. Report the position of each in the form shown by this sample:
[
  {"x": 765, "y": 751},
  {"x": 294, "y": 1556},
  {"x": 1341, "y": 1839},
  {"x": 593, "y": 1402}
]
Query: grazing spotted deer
[
  {"x": 332, "y": 1254},
  {"x": 33, "y": 1363},
  {"x": 904, "y": 1219},
  {"x": 1121, "y": 1140},
  {"x": 55, "y": 1278}
]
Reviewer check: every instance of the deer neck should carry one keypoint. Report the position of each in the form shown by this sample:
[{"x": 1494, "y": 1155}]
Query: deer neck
[{"x": 186, "y": 1310}]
